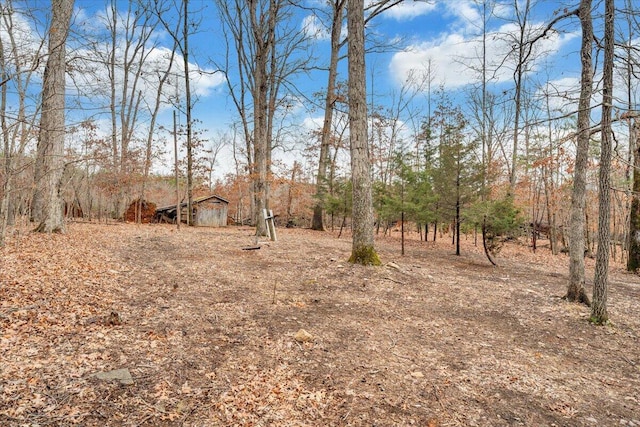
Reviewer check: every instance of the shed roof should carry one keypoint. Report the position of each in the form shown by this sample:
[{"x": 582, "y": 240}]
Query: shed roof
[{"x": 195, "y": 202}]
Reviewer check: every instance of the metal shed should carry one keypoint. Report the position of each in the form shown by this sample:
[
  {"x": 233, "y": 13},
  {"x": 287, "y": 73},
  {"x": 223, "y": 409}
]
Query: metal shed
[{"x": 209, "y": 211}]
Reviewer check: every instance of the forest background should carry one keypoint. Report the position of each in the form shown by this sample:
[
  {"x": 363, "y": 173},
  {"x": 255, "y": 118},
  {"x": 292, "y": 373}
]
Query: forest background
[
  {"x": 494, "y": 122},
  {"x": 468, "y": 103}
]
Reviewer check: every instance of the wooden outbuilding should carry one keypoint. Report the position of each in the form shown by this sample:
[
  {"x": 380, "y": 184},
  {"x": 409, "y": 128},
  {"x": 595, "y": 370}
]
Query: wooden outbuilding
[{"x": 209, "y": 211}]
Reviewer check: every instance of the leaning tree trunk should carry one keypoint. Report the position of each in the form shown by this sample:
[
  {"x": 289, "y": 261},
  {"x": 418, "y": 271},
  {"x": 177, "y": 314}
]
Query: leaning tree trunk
[
  {"x": 575, "y": 290},
  {"x": 485, "y": 243},
  {"x": 362, "y": 251},
  {"x": 599, "y": 313},
  {"x": 50, "y": 150}
]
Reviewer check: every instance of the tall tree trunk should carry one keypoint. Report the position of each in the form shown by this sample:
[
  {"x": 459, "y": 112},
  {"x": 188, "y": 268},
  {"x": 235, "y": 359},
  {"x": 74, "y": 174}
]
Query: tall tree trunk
[
  {"x": 115, "y": 149},
  {"x": 50, "y": 150},
  {"x": 177, "y": 172},
  {"x": 575, "y": 290},
  {"x": 362, "y": 251},
  {"x": 187, "y": 85},
  {"x": 457, "y": 225},
  {"x": 259, "y": 90},
  {"x": 330, "y": 99},
  {"x": 518, "y": 77},
  {"x": 290, "y": 191},
  {"x": 633, "y": 262},
  {"x": 7, "y": 176},
  {"x": 632, "y": 173},
  {"x": 599, "y": 313},
  {"x": 152, "y": 125},
  {"x": 549, "y": 188}
]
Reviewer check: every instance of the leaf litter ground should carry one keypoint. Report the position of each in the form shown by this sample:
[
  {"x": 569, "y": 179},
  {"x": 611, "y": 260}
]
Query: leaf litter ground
[{"x": 208, "y": 330}]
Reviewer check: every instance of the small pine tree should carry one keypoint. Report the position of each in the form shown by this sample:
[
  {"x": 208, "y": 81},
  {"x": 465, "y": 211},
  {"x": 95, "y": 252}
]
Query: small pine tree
[{"x": 499, "y": 220}]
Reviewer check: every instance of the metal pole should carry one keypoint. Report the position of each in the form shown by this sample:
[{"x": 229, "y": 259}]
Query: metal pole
[{"x": 175, "y": 157}]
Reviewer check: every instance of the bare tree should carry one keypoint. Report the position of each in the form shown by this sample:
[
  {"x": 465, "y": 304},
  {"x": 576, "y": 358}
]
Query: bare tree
[
  {"x": 575, "y": 290},
  {"x": 235, "y": 33},
  {"x": 263, "y": 26},
  {"x": 486, "y": 135},
  {"x": 483, "y": 104},
  {"x": 265, "y": 45},
  {"x": 163, "y": 77},
  {"x": 125, "y": 57},
  {"x": 49, "y": 161},
  {"x": 337, "y": 15},
  {"x": 633, "y": 124},
  {"x": 363, "y": 250},
  {"x": 176, "y": 171},
  {"x": 523, "y": 54},
  {"x": 599, "y": 314},
  {"x": 338, "y": 8},
  {"x": 212, "y": 152},
  {"x": 184, "y": 48},
  {"x": 184, "y": 28},
  {"x": 120, "y": 63},
  {"x": 550, "y": 165},
  {"x": 16, "y": 70},
  {"x": 633, "y": 262},
  {"x": 523, "y": 51}
]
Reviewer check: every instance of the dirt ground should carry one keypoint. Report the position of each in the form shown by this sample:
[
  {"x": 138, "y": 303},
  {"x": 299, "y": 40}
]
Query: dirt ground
[{"x": 210, "y": 333}]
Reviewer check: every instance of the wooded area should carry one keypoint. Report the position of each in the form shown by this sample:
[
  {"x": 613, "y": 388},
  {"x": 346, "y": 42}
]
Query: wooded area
[{"x": 103, "y": 121}]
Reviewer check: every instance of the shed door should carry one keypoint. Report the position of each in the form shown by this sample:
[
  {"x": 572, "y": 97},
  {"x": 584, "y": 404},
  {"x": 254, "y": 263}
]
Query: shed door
[{"x": 209, "y": 217}]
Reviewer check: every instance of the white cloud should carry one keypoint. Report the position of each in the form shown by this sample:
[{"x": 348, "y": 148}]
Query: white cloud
[
  {"x": 437, "y": 58},
  {"x": 315, "y": 29},
  {"x": 89, "y": 71},
  {"x": 313, "y": 123},
  {"x": 453, "y": 57},
  {"x": 562, "y": 94},
  {"x": 22, "y": 43},
  {"x": 410, "y": 10},
  {"x": 467, "y": 14},
  {"x": 203, "y": 81}
]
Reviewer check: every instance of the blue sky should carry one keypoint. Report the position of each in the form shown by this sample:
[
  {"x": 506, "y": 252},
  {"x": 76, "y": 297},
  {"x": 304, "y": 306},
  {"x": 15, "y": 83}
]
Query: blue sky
[{"x": 444, "y": 33}]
